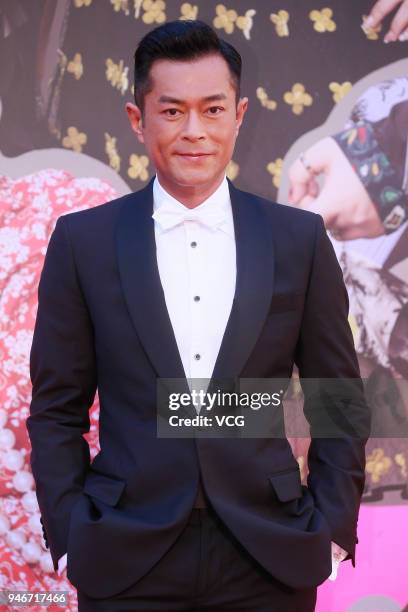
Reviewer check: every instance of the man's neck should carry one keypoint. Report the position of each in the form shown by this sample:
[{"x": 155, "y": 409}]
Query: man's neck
[{"x": 190, "y": 196}]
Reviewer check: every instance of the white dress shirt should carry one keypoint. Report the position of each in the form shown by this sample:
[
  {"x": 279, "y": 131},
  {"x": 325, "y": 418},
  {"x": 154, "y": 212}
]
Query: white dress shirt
[
  {"x": 197, "y": 267},
  {"x": 196, "y": 259}
]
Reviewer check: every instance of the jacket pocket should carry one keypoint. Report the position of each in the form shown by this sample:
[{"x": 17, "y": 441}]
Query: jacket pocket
[
  {"x": 105, "y": 488},
  {"x": 286, "y": 484}
]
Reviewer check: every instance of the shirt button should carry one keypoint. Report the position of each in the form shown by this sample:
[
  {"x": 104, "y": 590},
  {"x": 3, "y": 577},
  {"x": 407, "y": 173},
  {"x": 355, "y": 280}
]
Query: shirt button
[
  {"x": 193, "y": 244},
  {"x": 197, "y": 356},
  {"x": 196, "y": 298}
]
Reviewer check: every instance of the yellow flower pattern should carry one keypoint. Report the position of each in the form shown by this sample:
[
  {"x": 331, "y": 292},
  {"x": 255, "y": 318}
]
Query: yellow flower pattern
[
  {"x": 339, "y": 90},
  {"x": 120, "y": 5},
  {"x": 322, "y": 20},
  {"x": 74, "y": 139},
  {"x": 275, "y": 169},
  {"x": 280, "y": 21},
  {"x": 400, "y": 460},
  {"x": 377, "y": 464},
  {"x": 154, "y": 11},
  {"x": 225, "y": 19},
  {"x": 112, "y": 152},
  {"x": 246, "y": 22},
  {"x": 117, "y": 75},
  {"x": 188, "y": 11},
  {"x": 80, "y": 3},
  {"x": 232, "y": 170},
  {"x": 298, "y": 98},
  {"x": 138, "y": 167},
  {"x": 75, "y": 66},
  {"x": 264, "y": 99}
]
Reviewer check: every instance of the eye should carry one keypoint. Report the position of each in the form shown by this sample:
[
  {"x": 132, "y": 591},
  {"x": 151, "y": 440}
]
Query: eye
[
  {"x": 171, "y": 112},
  {"x": 215, "y": 108}
]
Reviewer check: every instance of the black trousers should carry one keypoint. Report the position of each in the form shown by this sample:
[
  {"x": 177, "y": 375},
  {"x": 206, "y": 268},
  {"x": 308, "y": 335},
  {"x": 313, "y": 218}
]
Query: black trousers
[{"x": 205, "y": 569}]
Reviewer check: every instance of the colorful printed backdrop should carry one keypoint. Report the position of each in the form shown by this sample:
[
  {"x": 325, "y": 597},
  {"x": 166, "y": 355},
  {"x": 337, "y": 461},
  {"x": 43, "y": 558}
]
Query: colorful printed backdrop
[{"x": 313, "y": 78}]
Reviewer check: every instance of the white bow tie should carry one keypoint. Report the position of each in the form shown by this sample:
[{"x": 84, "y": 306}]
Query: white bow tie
[{"x": 169, "y": 216}]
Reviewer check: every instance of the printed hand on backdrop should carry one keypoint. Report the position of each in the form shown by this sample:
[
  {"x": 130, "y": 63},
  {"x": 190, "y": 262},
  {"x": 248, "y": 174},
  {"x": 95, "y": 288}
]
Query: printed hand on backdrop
[
  {"x": 399, "y": 25},
  {"x": 344, "y": 203}
]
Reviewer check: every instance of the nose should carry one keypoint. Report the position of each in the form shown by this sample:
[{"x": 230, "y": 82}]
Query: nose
[{"x": 193, "y": 128}]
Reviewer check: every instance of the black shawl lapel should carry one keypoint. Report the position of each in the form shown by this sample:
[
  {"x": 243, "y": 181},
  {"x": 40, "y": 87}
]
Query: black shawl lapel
[
  {"x": 254, "y": 284},
  {"x": 140, "y": 278}
]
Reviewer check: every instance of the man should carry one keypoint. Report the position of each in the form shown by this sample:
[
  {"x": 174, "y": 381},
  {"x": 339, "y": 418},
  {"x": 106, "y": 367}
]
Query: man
[{"x": 189, "y": 278}]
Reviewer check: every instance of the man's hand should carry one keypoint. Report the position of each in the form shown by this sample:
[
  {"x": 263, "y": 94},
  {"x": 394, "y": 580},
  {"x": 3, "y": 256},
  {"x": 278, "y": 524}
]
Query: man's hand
[
  {"x": 399, "y": 25},
  {"x": 343, "y": 202},
  {"x": 338, "y": 554}
]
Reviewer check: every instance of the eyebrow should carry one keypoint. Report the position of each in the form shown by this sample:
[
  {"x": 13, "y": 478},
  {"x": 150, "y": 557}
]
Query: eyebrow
[{"x": 171, "y": 100}]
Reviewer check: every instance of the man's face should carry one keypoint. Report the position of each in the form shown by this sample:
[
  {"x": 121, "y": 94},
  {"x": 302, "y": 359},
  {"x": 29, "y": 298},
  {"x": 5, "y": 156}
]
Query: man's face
[{"x": 191, "y": 122}]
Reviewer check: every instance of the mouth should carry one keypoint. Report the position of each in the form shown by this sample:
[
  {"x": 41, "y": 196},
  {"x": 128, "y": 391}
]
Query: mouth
[{"x": 194, "y": 156}]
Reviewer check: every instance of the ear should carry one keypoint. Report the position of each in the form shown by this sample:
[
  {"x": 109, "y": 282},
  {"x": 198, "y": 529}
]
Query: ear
[
  {"x": 135, "y": 118},
  {"x": 241, "y": 110}
]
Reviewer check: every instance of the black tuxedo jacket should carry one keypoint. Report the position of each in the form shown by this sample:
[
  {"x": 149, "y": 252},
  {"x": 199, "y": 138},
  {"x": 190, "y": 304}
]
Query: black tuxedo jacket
[{"x": 102, "y": 324}]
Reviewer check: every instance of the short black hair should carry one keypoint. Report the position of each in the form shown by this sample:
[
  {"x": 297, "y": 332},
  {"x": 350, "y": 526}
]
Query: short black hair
[{"x": 182, "y": 40}]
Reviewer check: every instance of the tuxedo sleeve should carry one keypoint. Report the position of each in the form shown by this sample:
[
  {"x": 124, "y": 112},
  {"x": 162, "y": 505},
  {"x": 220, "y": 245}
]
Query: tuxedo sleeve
[
  {"x": 334, "y": 400},
  {"x": 63, "y": 376}
]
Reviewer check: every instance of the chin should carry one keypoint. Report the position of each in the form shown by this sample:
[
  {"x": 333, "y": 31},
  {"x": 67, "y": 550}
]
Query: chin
[
  {"x": 198, "y": 177},
  {"x": 191, "y": 179}
]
